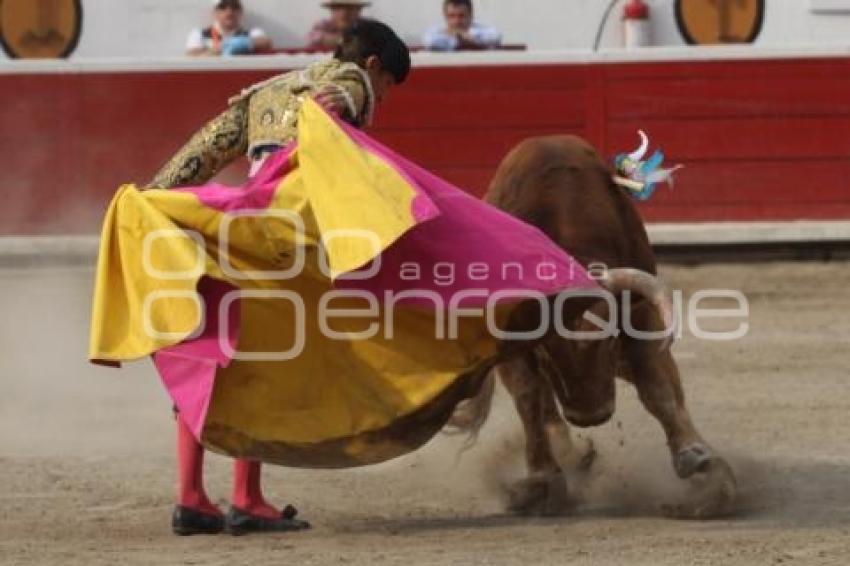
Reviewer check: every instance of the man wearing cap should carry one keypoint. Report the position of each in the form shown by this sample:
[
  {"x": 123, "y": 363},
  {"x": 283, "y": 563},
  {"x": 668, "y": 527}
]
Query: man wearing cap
[
  {"x": 227, "y": 36},
  {"x": 344, "y": 14}
]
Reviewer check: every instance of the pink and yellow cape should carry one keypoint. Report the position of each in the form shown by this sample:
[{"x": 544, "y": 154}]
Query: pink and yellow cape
[{"x": 323, "y": 315}]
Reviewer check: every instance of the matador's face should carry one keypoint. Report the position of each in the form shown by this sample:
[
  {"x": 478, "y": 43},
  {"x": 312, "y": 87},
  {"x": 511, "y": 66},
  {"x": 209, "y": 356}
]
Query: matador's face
[{"x": 382, "y": 81}]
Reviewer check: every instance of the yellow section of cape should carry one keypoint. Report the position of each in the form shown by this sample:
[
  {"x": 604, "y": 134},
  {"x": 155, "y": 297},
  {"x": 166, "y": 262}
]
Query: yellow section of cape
[{"x": 338, "y": 403}]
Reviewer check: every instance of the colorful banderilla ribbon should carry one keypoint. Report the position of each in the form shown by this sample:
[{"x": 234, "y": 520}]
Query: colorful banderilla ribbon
[{"x": 640, "y": 177}]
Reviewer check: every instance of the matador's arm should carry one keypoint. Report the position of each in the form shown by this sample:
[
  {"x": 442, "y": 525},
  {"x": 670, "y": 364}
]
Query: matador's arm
[
  {"x": 349, "y": 95},
  {"x": 212, "y": 148}
]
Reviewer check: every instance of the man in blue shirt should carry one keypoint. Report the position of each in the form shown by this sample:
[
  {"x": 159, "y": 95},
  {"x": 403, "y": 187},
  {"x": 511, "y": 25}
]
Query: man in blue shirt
[{"x": 459, "y": 31}]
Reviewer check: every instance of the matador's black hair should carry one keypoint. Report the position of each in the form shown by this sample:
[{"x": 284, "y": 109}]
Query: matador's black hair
[{"x": 371, "y": 37}]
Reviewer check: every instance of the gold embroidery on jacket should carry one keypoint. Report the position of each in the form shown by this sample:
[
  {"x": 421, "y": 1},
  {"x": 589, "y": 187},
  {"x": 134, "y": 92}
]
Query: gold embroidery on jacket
[
  {"x": 266, "y": 114},
  {"x": 219, "y": 142}
]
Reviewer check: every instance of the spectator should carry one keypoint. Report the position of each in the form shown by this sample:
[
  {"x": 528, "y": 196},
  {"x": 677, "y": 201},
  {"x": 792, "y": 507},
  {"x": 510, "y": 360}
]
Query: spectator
[
  {"x": 460, "y": 31},
  {"x": 344, "y": 14},
  {"x": 226, "y": 36}
]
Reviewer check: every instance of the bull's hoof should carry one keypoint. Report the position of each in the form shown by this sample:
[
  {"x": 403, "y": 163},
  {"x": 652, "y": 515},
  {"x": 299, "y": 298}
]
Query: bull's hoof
[
  {"x": 543, "y": 495},
  {"x": 696, "y": 458},
  {"x": 713, "y": 493}
]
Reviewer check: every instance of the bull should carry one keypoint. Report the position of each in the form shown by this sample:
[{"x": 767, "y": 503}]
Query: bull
[{"x": 561, "y": 185}]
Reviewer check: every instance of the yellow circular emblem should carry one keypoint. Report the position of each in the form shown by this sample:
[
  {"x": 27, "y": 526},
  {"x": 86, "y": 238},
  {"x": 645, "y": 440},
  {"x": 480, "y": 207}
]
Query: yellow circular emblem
[
  {"x": 40, "y": 29},
  {"x": 705, "y": 22}
]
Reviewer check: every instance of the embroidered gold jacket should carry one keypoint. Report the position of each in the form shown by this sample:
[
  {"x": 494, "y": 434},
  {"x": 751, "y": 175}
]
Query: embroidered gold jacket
[{"x": 263, "y": 115}]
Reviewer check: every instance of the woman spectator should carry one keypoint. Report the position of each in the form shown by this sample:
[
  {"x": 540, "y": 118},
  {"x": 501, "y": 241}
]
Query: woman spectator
[{"x": 327, "y": 33}]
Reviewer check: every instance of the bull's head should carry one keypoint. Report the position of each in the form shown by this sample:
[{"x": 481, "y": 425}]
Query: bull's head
[{"x": 582, "y": 371}]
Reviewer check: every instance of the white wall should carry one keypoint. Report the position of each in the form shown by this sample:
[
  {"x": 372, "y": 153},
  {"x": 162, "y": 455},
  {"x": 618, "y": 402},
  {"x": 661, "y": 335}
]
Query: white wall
[
  {"x": 797, "y": 21},
  {"x": 158, "y": 28}
]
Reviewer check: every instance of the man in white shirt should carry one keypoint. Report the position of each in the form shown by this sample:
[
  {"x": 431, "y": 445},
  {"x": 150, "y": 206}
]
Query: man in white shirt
[
  {"x": 460, "y": 31},
  {"x": 227, "y": 36}
]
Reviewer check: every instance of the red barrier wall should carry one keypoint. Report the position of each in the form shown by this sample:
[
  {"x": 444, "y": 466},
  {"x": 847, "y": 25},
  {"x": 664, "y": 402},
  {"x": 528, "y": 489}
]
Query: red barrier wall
[{"x": 761, "y": 139}]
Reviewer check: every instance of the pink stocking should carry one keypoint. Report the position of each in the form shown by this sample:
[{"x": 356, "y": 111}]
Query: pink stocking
[
  {"x": 247, "y": 492},
  {"x": 190, "y": 466}
]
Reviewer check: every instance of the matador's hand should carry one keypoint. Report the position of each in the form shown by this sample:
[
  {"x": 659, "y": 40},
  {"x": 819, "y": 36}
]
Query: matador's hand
[{"x": 333, "y": 99}]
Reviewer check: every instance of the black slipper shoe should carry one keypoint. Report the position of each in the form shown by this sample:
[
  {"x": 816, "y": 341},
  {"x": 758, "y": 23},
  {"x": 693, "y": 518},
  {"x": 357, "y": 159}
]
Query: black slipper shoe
[
  {"x": 239, "y": 522},
  {"x": 186, "y": 521}
]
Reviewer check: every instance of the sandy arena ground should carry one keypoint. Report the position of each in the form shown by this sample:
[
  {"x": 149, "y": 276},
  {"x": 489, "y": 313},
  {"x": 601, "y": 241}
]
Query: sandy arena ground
[{"x": 87, "y": 468}]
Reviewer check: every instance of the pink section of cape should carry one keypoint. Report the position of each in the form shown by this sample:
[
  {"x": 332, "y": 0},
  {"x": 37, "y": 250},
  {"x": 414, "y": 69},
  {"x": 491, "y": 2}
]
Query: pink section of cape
[{"x": 487, "y": 251}]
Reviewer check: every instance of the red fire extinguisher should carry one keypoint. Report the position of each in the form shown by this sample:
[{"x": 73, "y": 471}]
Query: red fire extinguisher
[{"x": 637, "y": 24}]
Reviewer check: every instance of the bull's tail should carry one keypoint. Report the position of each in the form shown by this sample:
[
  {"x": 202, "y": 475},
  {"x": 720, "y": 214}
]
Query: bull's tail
[{"x": 471, "y": 414}]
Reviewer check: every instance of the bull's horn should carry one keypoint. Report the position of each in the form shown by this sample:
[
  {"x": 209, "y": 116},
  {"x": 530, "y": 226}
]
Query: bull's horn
[
  {"x": 648, "y": 285},
  {"x": 638, "y": 154}
]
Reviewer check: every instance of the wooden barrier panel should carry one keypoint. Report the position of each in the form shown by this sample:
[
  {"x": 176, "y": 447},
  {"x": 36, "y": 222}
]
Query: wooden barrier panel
[{"x": 761, "y": 139}]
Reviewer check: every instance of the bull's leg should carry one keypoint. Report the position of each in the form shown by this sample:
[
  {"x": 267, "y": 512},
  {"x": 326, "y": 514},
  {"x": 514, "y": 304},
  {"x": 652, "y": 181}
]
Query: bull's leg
[
  {"x": 659, "y": 387},
  {"x": 655, "y": 375},
  {"x": 544, "y": 491},
  {"x": 570, "y": 454}
]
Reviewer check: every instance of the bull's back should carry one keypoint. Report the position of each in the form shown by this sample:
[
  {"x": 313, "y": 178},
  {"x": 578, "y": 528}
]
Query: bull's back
[{"x": 561, "y": 185}]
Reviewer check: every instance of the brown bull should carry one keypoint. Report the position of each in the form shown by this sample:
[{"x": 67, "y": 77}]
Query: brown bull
[{"x": 561, "y": 185}]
